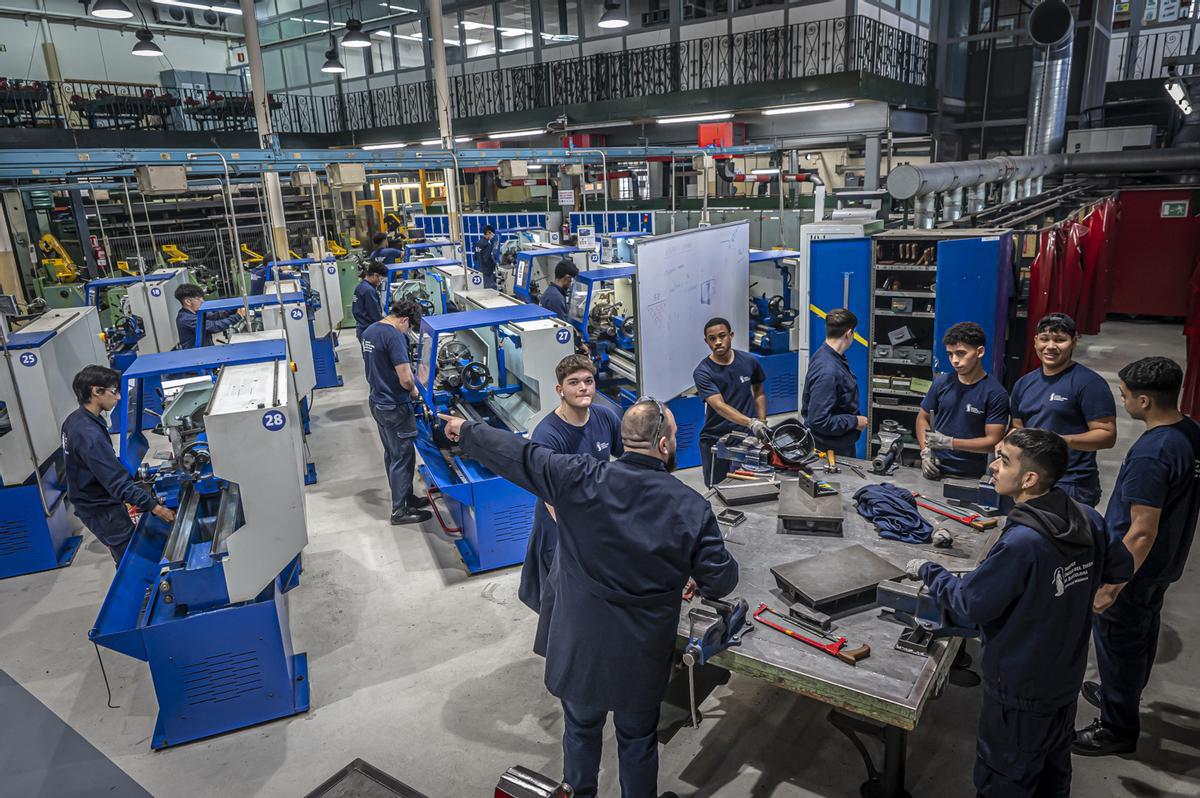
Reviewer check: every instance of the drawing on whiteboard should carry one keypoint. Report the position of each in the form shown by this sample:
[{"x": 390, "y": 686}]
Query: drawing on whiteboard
[{"x": 706, "y": 292}]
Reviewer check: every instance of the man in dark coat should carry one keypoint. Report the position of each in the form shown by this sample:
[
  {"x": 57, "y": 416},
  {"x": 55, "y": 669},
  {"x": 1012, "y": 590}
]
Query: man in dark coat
[{"x": 631, "y": 537}]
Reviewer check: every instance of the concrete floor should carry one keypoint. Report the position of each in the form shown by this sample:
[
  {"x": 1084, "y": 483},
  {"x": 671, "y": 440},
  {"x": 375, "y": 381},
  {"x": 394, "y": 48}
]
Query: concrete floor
[{"x": 427, "y": 673}]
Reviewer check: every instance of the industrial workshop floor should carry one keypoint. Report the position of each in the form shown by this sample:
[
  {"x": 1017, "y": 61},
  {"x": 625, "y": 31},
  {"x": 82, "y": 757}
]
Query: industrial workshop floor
[{"x": 427, "y": 673}]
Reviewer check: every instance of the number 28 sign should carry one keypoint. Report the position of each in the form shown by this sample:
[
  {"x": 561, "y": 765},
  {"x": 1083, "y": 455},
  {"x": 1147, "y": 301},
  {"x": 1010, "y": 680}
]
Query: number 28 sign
[{"x": 274, "y": 420}]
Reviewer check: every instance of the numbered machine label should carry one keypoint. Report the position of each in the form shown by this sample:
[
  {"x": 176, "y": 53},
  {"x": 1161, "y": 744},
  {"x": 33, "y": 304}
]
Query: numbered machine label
[
  {"x": 297, "y": 314},
  {"x": 476, "y": 279},
  {"x": 274, "y": 420},
  {"x": 156, "y": 292},
  {"x": 28, "y": 359},
  {"x": 331, "y": 270},
  {"x": 562, "y": 336}
]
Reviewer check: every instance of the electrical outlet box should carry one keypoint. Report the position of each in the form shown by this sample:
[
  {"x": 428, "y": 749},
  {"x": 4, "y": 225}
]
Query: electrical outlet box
[{"x": 156, "y": 180}]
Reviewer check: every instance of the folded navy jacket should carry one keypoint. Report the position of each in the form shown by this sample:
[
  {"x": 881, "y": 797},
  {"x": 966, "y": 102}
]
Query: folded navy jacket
[{"x": 893, "y": 511}]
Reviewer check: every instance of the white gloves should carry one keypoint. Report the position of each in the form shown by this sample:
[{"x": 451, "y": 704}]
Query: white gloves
[
  {"x": 938, "y": 440},
  {"x": 913, "y": 568},
  {"x": 930, "y": 467},
  {"x": 759, "y": 430}
]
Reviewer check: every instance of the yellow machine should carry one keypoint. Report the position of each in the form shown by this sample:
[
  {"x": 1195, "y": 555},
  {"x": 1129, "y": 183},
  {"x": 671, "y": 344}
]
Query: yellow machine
[
  {"x": 174, "y": 254},
  {"x": 59, "y": 262},
  {"x": 123, "y": 266},
  {"x": 336, "y": 249},
  {"x": 250, "y": 256}
]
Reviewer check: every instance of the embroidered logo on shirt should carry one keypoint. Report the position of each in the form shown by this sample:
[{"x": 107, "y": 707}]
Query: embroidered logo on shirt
[
  {"x": 1057, "y": 398},
  {"x": 1066, "y": 576},
  {"x": 973, "y": 409},
  {"x": 601, "y": 446},
  {"x": 367, "y": 347},
  {"x": 744, "y": 379}
]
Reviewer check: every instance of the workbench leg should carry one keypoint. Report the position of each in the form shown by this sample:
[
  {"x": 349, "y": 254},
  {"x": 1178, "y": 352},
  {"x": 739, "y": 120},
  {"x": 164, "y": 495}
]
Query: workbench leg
[{"x": 887, "y": 782}]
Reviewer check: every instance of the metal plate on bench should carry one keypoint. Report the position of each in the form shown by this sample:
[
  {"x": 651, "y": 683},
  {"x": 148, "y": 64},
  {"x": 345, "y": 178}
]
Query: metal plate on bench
[
  {"x": 832, "y": 578},
  {"x": 801, "y": 514}
]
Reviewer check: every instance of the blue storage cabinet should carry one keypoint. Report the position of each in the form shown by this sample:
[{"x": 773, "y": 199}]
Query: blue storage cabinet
[
  {"x": 840, "y": 276},
  {"x": 438, "y": 226},
  {"x": 925, "y": 282}
]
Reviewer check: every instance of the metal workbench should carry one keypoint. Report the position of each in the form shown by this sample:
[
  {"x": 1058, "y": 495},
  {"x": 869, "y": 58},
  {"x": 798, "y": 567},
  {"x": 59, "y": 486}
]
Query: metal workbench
[{"x": 883, "y": 695}]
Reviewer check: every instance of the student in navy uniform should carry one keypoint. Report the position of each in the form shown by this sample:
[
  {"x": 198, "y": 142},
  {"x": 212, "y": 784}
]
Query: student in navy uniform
[
  {"x": 1031, "y": 596},
  {"x": 1068, "y": 398},
  {"x": 485, "y": 256},
  {"x": 393, "y": 391},
  {"x": 367, "y": 307},
  {"x": 557, "y": 296},
  {"x": 830, "y": 396},
  {"x": 1154, "y": 506},
  {"x": 965, "y": 414},
  {"x": 730, "y": 383},
  {"x": 384, "y": 252},
  {"x": 190, "y": 297},
  {"x": 98, "y": 484},
  {"x": 630, "y": 536},
  {"x": 577, "y": 426}
]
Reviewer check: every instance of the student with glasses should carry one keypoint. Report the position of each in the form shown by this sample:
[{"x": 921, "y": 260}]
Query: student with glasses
[
  {"x": 631, "y": 539},
  {"x": 98, "y": 484}
]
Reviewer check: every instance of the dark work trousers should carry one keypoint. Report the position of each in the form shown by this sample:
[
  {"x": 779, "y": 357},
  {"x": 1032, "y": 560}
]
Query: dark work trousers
[
  {"x": 489, "y": 278},
  {"x": 715, "y": 468},
  {"x": 637, "y": 749},
  {"x": 397, "y": 431},
  {"x": 111, "y": 526},
  {"x": 846, "y": 451},
  {"x": 1021, "y": 753},
  {"x": 1126, "y": 637},
  {"x": 1084, "y": 494}
]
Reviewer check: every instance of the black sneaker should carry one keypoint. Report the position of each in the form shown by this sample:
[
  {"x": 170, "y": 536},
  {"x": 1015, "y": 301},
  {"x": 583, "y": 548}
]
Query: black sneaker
[
  {"x": 1096, "y": 740},
  {"x": 417, "y": 502},
  {"x": 1091, "y": 693},
  {"x": 406, "y": 515}
]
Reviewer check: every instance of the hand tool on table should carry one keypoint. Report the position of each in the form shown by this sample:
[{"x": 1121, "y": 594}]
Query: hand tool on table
[
  {"x": 973, "y": 520},
  {"x": 710, "y": 632},
  {"x": 859, "y": 471},
  {"x": 835, "y": 648},
  {"x": 831, "y": 466}
]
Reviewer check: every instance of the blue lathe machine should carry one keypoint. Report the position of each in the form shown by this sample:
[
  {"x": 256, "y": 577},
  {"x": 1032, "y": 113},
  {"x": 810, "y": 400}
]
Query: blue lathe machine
[
  {"x": 204, "y": 601},
  {"x": 430, "y": 281},
  {"x": 495, "y": 366},
  {"x": 38, "y": 530}
]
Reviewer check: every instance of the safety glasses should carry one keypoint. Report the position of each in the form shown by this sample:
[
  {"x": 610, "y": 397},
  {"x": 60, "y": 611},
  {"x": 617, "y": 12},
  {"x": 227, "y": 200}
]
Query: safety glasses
[{"x": 662, "y": 418}]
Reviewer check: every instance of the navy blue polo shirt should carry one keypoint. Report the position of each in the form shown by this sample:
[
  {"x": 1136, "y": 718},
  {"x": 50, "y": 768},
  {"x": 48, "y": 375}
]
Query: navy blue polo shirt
[
  {"x": 97, "y": 481},
  {"x": 384, "y": 347},
  {"x": 734, "y": 383},
  {"x": 366, "y": 308},
  {"x": 963, "y": 411},
  {"x": 554, "y": 299},
  {"x": 1065, "y": 403},
  {"x": 1161, "y": 469}
]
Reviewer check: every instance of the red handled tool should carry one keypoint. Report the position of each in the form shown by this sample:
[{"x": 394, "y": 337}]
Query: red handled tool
[
  {"x": 974, "y": 520},
  {"x": 835, "y": 648}
]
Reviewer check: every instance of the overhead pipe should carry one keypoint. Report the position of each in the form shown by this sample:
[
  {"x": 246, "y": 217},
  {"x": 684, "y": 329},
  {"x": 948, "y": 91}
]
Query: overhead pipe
[
  {"x": 726, "y": 172},
  {"x": 1052, "y": 28}
]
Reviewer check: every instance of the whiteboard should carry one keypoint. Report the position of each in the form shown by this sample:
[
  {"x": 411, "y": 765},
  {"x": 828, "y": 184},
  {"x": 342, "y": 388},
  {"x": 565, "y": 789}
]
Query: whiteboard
[{"x": 683, "y": 280}]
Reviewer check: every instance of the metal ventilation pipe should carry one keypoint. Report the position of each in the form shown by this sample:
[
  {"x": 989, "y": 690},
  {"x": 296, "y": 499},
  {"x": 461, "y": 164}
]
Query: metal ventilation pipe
[
  {"x": 1052, "y": 28},
  {"x": 926, "y": 211},
  {"x": 953, "y": 204},
  {"x": 977, "y": 198}
]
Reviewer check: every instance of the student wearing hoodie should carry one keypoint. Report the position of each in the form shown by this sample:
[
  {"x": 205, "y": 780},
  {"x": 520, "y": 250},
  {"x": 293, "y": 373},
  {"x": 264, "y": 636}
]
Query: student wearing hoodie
[{"x": 1031, "y": 597}]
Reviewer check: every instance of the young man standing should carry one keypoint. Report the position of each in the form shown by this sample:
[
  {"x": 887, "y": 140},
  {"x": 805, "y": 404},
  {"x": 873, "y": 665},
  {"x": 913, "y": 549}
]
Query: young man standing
[
  {"x": 1070, "y": 399},
  {"x": 367, "y": 307},
  {"x": 557, "y": 296},
  {"x": 384, "y": 252},
  {"x": 98, "y": 484},
  {"x": 1031, "y": 597},
  {"x": 577, "y": 426},
  {"x": 830, "y": 396},
  {"x": 965, "y": 414},
  {"x": 393, "y": 391},
  {"x": 485, "y": 256},
  {"x": 730, "y": 383},
  {"x": 190, "y": 297},
  {"x": 1154, "y": 506}
]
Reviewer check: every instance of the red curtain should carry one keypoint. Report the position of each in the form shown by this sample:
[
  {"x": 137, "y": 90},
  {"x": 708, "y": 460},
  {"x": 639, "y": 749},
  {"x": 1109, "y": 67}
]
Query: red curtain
[{"x": 1190, "y": 400}]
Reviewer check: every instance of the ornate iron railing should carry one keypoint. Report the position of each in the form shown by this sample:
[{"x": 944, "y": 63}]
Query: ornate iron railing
[
  {"x": 1150, "y": 50},
  {"x": 805, "y": 49}
]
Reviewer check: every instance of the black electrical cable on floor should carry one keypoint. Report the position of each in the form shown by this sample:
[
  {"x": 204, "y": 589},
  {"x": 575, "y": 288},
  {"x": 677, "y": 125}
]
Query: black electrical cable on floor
[{"x": 105, "y": 675}]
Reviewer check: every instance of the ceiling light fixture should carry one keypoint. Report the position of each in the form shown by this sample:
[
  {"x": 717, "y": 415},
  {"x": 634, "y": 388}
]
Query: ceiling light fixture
[
  {"x": 111, "y": 9},
  {"x": 800, "y": 109},
  {"x": 392, "y": 146},
  {"x": 354, "y": 36},
  {"x": 713, "y": 117},
  {"x": 436, "y": 142},
  {"x": 516, "y": 134},
  {"x": 199, "y": 6},
  {"x": 332, "y": 65},
  {"x": 145, "y": 44},
  {"x": 771, "y": 171},
  {"x": 613, "y": 16}
]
